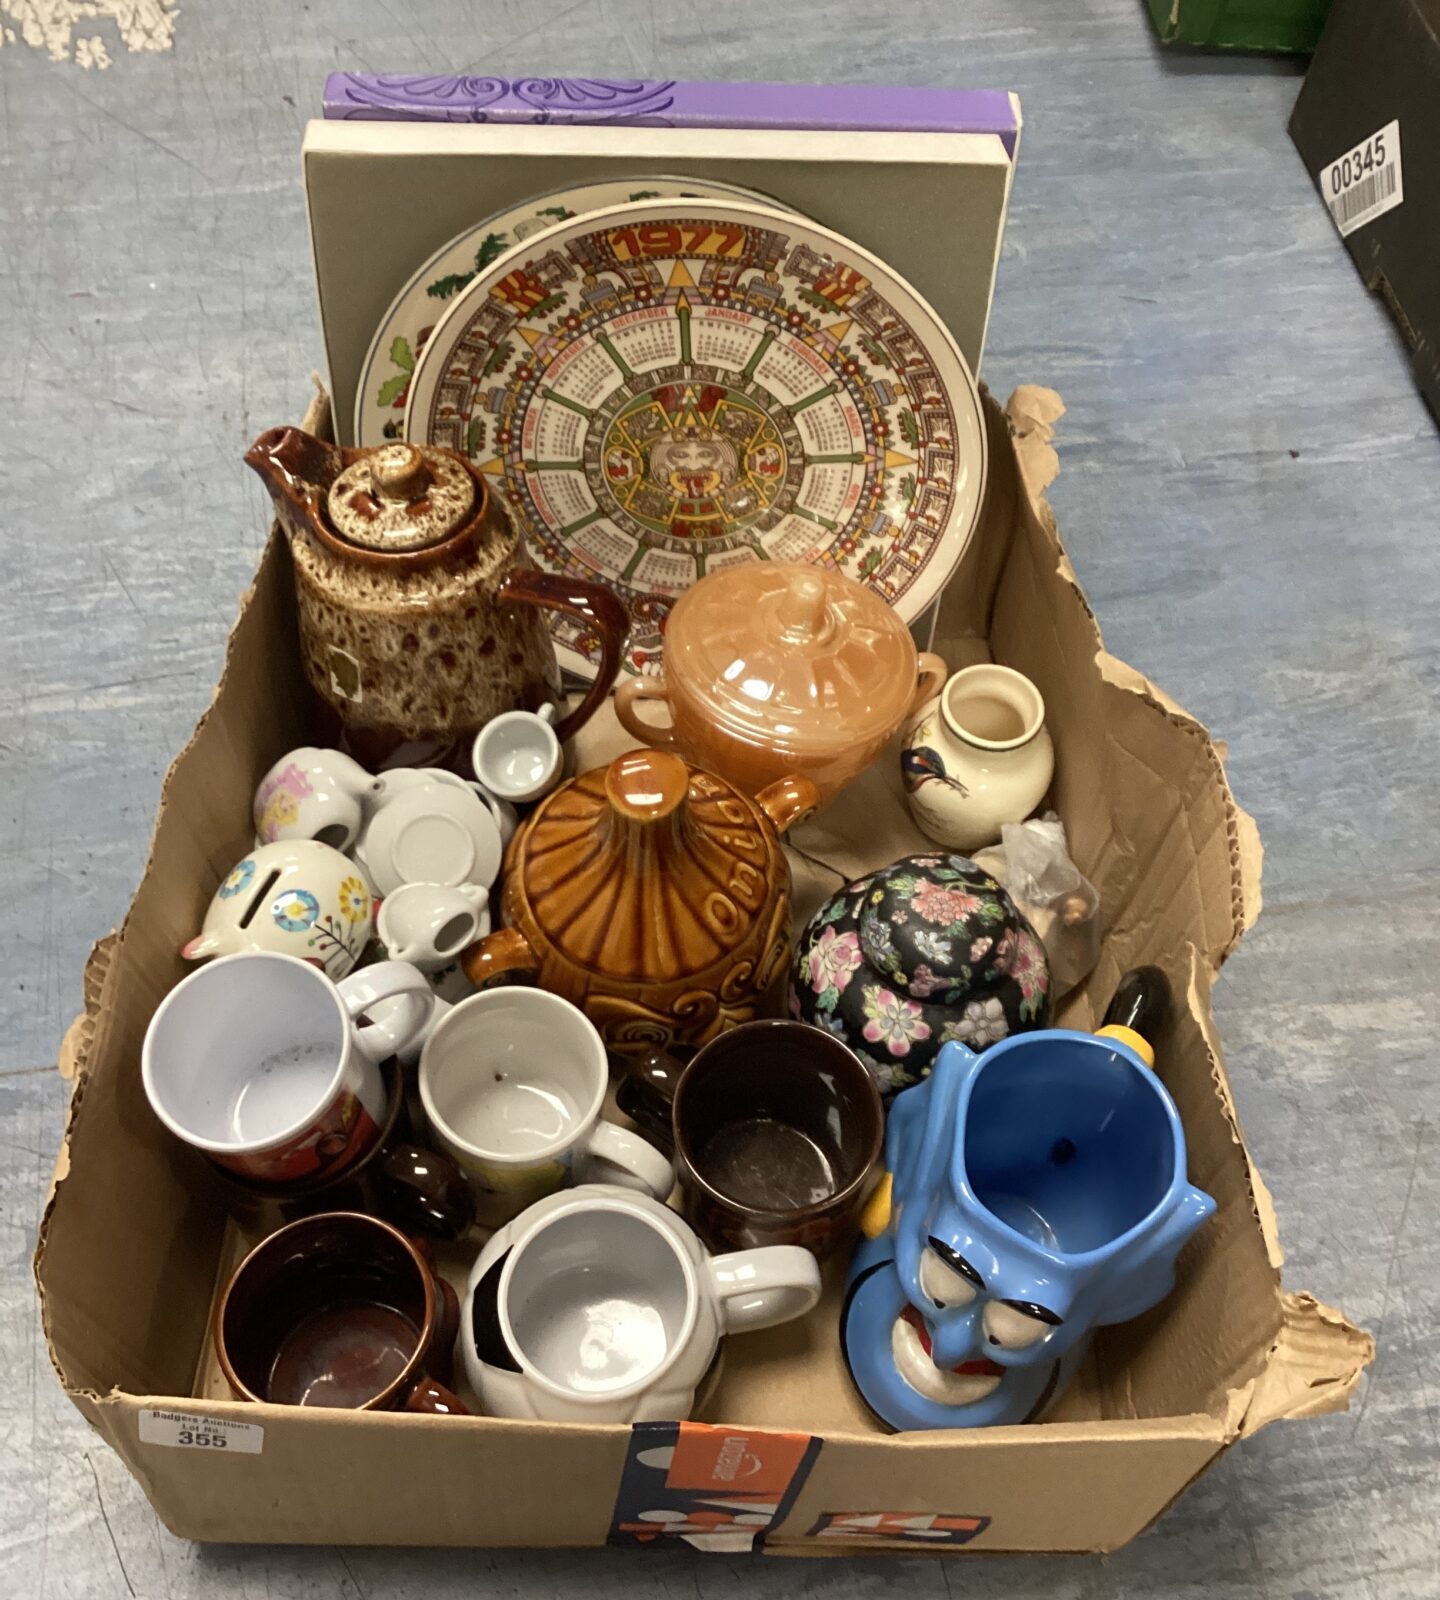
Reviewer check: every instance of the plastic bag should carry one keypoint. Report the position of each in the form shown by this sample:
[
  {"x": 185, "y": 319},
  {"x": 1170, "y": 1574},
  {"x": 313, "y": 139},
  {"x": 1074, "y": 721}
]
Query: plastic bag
[{"x": 1033, "y": 861}]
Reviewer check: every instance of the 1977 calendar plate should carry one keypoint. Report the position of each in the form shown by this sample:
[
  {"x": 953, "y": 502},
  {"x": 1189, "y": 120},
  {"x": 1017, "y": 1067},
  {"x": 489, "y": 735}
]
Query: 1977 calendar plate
[{"x": 672, "y": 386}]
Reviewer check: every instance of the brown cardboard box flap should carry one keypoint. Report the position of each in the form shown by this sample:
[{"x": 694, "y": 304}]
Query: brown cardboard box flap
[{"x": 1313, "y": 1367}]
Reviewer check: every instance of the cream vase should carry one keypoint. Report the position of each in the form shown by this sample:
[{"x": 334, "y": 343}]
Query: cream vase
[{"x": 976, "y": 757}]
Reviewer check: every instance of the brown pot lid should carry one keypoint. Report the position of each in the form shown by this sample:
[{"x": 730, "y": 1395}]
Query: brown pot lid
[
  {"x": 401, "y": 498},
  {"x": 646, "y": 871}
]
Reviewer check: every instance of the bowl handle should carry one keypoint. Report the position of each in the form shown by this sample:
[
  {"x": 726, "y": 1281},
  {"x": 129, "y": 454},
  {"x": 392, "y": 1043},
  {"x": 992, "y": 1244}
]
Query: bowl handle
[
  {"x": 634, "y": 689},
  {"x": 932, "y": 675}
]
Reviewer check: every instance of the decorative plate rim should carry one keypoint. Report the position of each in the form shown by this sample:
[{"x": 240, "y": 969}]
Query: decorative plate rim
[{"x": 385, "y": 330}]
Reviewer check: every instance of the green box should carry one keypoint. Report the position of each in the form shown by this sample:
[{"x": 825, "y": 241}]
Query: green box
[{"x": 1240, "y": 24}]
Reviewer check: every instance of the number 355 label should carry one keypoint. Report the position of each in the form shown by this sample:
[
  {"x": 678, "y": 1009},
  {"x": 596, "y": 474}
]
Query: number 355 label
[
  {"x": 188, "y": 1432},
  {"x": 1366, "y": 181}
]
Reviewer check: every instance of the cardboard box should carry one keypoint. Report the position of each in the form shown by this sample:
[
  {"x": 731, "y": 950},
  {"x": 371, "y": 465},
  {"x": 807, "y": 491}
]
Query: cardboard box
[
  {"x": 932, "y": 205},
  {"x": 784, "y": 1449},
  {"x": 1367, "y": 126},
  {"x": 1240, "y": 24}
]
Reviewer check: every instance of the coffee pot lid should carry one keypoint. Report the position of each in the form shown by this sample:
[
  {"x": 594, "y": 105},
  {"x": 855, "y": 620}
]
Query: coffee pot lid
[
  {"x": 799, "y": 656},
  {"x": 401, "y": 498}
]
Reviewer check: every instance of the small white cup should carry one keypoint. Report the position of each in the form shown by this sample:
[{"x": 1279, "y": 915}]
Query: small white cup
[
  {"x": 513, "y": 1082},
  {"x": 262, "y": 1062},
  {"x": 429, "y": 924},
  {"x": 517, "y": 756}
]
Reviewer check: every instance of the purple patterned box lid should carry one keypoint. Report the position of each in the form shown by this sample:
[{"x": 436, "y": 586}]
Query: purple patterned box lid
[{"x": 668, "y": 103}]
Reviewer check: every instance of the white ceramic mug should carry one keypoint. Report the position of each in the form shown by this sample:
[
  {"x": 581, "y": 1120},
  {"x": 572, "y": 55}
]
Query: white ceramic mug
[
  {"x": 314, "y": 794},
  {"x": 429, "y": 924},
  {"x": 600, "y": 1305},
  {"x": 263, "y": 1063},
  {"x": 513, "y": 1082},
  {"x": 517, "y": 756}
]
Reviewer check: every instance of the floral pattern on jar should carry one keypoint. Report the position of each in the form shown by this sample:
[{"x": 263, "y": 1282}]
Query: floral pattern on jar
[{"x": 929, "y": 950}]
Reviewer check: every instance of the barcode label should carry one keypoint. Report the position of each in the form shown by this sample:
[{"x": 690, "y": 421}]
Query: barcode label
[
  {"x": 188, "y": 1432},
  {"x": 1366, "y": 181}
]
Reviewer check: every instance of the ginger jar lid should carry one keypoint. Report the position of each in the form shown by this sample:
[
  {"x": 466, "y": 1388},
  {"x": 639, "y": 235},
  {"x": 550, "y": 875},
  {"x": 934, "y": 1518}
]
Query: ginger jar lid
[
  {"x": 400, "y": 499},
  {"x": 794, "y": 656}
]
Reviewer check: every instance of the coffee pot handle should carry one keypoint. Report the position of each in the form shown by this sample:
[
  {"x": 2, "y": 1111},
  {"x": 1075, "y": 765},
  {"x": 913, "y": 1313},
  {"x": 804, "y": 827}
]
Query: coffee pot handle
[
  {"x": 601, "y": 611},
  {"x": 758, "y": 1288}
]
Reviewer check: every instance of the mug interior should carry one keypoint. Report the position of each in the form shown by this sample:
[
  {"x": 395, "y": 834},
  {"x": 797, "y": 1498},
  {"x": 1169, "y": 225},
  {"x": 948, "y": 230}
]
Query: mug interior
[
  {"x": 1068, "y": 1143},
  {"x": 514, "y": 754},
  {"x": 777, "y": 1118},
  {"x": 331, "y": 1311},
  {"x": 246, "y": 1052},
  {"x": 513, "y": 1075},
  {"x": 597, "y": 1300}
]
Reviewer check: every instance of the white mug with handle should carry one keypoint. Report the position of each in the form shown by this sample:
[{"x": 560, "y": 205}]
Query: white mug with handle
[
  {"x": 272, "y": 1070},
  {"x": 513, "y": 1083},
  {"x": 601, "y": 1305}
]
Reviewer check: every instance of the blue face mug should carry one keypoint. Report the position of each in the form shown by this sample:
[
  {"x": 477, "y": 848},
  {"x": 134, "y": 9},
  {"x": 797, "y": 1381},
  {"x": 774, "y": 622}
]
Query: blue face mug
[{"x": 1036, "y": 1192}]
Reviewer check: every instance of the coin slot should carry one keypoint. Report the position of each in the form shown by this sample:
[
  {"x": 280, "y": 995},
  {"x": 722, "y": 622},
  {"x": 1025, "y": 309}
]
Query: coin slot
[{"x": 260, "y": 895}]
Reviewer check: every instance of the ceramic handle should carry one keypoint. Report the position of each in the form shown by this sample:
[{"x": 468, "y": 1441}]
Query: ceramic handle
[
  {"x": 933, "y": 673},
  {"x": 636, "y": 689},
  {"x": 625, "y": 1158},
  {"x": 384, "y": 981},
  {"x": 505, "y": 950},
  {"x": 422, "y": 1189},
  {"x": 433, "y": 1399},
  {"x": 758, "y": 1288},
  {"x": 646, "y": 1094},
  {"x": 788, "y": 801},
  {"x": 602, "y": 612}
]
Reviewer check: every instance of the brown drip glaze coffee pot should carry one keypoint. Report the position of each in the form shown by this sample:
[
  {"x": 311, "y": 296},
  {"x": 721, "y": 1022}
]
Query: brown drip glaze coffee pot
[
  {"x": 654, "y": 896},
  {"x": 420, "y": 616}
]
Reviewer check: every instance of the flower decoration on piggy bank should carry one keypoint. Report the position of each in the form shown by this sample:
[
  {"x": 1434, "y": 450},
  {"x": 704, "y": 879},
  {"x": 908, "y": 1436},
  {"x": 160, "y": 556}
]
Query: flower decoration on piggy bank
[
  {"x": 928, "y": 950},
  {"x": 1033, "y": 1194}
]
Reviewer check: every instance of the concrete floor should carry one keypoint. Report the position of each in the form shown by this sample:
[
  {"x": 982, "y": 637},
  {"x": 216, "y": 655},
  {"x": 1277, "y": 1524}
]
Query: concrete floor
[{"x": 1248, "y": 491}]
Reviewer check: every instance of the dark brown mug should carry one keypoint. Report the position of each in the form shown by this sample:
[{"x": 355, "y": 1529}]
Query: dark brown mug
[
  {"x": 776, "y": 1128},
  {"x": 339, "y": 1310},
  {"x": 419, "y": 1190}
]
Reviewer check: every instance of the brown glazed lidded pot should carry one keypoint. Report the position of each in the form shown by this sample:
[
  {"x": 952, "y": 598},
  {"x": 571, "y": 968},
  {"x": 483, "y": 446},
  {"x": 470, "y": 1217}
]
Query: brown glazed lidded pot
[
  {"x": 420, "y": 616},
  {"x": 654, "y": 896}
]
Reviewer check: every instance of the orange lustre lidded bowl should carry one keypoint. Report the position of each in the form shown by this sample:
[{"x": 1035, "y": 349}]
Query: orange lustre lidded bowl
[{"x": 781, "y": 668}]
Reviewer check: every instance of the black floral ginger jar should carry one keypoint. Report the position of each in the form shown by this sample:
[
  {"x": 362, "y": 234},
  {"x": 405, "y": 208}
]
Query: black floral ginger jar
[{"x": 922, "y": 952}]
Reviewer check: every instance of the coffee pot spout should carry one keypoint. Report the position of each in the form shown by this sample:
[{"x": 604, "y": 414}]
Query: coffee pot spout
[{"x": 295, "y": 466}]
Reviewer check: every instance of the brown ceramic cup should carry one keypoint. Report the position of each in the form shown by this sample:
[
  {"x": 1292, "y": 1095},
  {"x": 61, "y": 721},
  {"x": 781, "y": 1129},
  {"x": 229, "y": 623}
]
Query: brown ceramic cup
[
  {"x": 339, "y": 1310},
  {"x": 776, "y": 1129},
  {"x": 419, "y": 1190}
]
